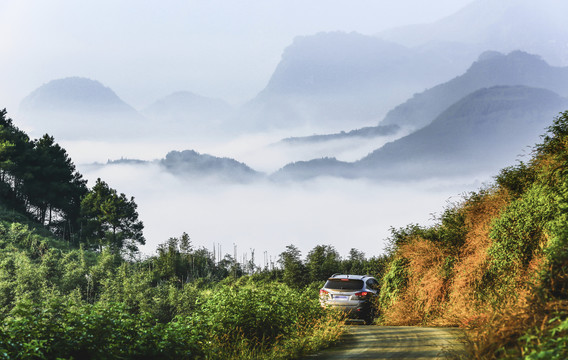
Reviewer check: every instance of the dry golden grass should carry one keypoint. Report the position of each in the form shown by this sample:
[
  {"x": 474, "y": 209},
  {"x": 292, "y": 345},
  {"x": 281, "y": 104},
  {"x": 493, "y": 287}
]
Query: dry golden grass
[
  {"x": 430, "y": 298},
  {"x": 503, "y": 329},
  {"x": 433, "y": 298},
  {"x": 463, "y": 308},
  {"x": 402, "y": 312},
  {"x": 426, "y": 289}
]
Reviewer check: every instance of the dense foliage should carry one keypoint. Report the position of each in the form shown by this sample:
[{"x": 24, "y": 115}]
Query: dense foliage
[
  {"x": 495, "y": 263},
  {"x": 38, "y": 178},
  {"x": 60, "y": 301}
]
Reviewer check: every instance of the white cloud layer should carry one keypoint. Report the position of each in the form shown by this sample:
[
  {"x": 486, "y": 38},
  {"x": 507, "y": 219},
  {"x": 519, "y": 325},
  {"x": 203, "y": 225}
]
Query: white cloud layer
[{"x": 267, "y": 216}]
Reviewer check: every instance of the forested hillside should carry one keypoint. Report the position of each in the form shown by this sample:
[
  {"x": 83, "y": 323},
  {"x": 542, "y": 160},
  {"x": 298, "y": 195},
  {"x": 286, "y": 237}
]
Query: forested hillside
[{"x": 495, "y": 262}]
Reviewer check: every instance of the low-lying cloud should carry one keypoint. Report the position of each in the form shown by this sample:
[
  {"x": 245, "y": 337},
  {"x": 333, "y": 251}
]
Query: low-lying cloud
[{"x": 267, "y": 216}]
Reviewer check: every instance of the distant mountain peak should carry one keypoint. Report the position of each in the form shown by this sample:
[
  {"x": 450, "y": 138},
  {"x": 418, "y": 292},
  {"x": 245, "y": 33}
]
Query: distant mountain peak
[
  {"x": 513, "y": 58},
  {"x": 80, "y": 108},
  {"x": 490, "y": 55},
  {"x": 74, "y": 94}
]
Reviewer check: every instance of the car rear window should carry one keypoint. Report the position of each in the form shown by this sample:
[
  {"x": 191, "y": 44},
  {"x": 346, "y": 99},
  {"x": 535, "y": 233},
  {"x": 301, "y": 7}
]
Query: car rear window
[{"x": 344, "y": 284}]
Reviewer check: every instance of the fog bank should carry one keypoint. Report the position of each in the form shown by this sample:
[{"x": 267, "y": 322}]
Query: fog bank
[{"x": 267, "y": 216}]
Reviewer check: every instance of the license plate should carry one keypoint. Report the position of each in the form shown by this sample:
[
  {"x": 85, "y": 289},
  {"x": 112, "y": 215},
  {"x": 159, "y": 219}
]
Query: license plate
[{"x": 340, "y": 297}]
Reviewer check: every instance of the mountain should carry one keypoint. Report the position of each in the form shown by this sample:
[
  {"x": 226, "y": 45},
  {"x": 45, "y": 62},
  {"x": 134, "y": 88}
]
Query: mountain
[
  {"x": 366, "y": 132},
  {"x": 79, "y": 108},
  {"x": 480, "y": 133},
  {"x": 189, "y": 163},
  {"x": 188, "y": 113},
  {"x": 336, "y": 79},
  {"x": 192, "y": 165},
  {"x": 491, "y": 69},
  {"x": 483, "y": 132},
  {"x": 305, "y": 170},
  {"x": 538, "y": 27},
  {"x": 74, "y": 94}
]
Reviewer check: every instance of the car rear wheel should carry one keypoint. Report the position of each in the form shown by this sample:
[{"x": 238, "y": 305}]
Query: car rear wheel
[{"x": 369, "y": 318}]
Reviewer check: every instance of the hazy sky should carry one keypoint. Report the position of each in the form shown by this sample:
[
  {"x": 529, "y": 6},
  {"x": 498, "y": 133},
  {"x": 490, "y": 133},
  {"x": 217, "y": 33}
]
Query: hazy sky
[{"x": 145, "y": 50}]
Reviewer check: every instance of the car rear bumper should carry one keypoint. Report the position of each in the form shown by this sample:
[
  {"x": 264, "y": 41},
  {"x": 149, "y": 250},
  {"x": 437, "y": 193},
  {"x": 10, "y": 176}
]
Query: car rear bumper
[{"x": 351, "y": 310}]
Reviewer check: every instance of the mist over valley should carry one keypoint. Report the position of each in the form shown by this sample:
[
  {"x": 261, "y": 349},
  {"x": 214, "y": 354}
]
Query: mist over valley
[{"x": 351, "y": 134}]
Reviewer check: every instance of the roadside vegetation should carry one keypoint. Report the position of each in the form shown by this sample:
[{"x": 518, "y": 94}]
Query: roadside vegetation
[{"x": 495, "y": 263}]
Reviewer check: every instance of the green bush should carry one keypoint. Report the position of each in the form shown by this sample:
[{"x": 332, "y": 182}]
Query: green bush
[
  {"x": 519, "y": 234},
  {"x": 66, "y": 327},
  {"x": 516, "y": 179},
  {"x": 550, "y": 343},
  {"x": 394, "y": 281},
  {"x": 257, "y": 314}
]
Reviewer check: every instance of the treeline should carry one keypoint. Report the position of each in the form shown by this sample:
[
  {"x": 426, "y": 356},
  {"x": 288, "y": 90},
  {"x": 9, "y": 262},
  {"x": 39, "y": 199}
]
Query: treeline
[
  {"x": 323, "y": 261},
  {"x": 495, "y": 263},
  {"x": 38, "y": 178},
  {"x": 176, "y": 260}
]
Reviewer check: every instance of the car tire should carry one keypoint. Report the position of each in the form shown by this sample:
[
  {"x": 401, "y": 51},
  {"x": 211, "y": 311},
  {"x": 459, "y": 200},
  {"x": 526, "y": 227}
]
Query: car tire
[{"x": 369, "y": 319}]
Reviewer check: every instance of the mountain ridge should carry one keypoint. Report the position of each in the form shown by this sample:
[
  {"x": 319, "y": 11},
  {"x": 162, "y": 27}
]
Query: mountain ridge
[
  {"x": 504, "y": 120},
  {"x": 491, "y": 69}
]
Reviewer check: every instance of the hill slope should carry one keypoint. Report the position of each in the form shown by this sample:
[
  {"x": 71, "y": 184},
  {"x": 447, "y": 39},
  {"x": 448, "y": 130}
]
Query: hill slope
[
  {"x": 332, "y": 80},
  {"x": 495, "y": 262},
  {"x": 491, "y": 69},
  {"x": 482, "y": 132}
]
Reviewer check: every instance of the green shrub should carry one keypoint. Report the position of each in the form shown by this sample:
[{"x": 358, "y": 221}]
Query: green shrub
[
  {"x": 519, "y": 234},
  {"x": 550, "y": 343},
  {"x": 65, "y": 327},
  {"x": 257, "y": 314},
  {"x": 516, "y": 179},
  {"x": 394, "y": 281}
]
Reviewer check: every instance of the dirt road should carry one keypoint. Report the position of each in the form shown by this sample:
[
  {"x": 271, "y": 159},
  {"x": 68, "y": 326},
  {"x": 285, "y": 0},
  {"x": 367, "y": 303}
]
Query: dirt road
[{"x": 395, "y": 342}]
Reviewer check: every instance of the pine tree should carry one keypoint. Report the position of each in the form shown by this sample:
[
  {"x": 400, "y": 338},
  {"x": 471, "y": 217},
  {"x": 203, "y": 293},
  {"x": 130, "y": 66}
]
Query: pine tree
[{"x": 111, "y": 220}]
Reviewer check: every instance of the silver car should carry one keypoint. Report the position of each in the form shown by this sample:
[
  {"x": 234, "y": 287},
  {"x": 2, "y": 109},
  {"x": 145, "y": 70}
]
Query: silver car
[{"x": 353, "y": 294}]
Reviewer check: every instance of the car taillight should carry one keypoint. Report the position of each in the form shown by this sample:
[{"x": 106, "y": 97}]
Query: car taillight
[
  {"x": 362, "y": 293},
  {"x": 323, "y": 292}
]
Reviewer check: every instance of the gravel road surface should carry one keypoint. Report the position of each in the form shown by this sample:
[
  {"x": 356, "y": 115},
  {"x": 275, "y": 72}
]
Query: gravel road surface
[{"x": 395, "y": 342}]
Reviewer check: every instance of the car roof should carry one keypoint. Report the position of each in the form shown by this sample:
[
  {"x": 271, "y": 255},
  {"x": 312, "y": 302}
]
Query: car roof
[{"x": 350, "y": 276}]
